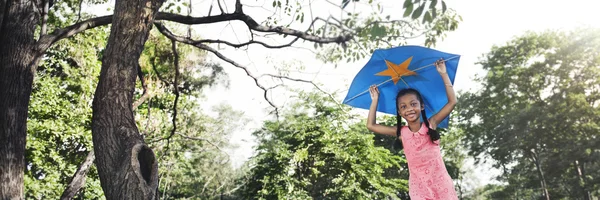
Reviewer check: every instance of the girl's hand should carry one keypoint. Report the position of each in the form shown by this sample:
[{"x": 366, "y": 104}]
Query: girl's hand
[
  {"x": 440, "y": 65},
  {"x": 374, "y": 92}
]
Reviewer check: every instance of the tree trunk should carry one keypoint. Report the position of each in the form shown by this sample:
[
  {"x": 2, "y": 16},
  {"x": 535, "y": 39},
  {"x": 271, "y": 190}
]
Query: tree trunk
[
  {"x": 127, "y": 167},
  {"x": 538, "y": 165},
  {"x": 80, "y": 175},
  {"x": 581, "y": 174},
  {"x": 17, "y": 66}
]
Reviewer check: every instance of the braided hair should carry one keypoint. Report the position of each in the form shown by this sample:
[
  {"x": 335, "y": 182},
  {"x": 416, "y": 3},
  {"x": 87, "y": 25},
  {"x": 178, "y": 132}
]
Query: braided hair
[{"x": 433, "y": 134}]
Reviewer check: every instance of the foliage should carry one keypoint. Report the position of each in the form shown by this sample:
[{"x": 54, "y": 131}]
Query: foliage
[
  {"x": 59, "y": 134},
  {"x": 60, "y": 116},
  {"x": 537, "y": 114},
  {"x": 314, "y": 153},
  {"x": 196, "y": 164},
  {"x": 375, "y": 31}
]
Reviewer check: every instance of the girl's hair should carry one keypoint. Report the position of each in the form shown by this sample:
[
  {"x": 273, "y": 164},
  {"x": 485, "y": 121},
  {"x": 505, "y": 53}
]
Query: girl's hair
[{"x": 433, "y": 134}]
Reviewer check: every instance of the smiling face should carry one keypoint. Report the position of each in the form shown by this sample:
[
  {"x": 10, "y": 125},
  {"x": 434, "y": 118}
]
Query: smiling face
[{"x": 409, "y": 107}]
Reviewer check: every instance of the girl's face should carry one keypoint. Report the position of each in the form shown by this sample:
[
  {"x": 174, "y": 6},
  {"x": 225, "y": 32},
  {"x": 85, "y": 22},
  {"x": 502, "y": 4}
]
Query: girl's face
[{"x": 409, "y": 107}]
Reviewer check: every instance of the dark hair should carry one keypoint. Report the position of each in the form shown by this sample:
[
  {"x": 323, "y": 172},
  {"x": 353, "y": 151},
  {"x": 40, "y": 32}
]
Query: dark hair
[{"x": 433, "y": 134}]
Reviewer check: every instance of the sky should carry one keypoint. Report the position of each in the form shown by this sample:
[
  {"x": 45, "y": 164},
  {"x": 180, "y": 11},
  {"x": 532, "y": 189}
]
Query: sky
[{"x": 485, "y": 23}]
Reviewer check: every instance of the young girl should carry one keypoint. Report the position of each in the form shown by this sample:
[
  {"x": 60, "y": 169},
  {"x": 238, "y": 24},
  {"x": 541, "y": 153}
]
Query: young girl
[{"x": 428, "y": 178}]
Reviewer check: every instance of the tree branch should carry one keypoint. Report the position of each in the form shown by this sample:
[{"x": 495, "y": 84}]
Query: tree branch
[
  {"x": 202, "y": 139},
  {"x": 79, "y": 11},
  {"x": 175, "y": 86},
  {"x": 79, "y": 177},
  {"x": 171, "y": 36},
  {"x": 145, "y": 94},
  {"x": 246, "y": 43},
  {"x": 220, "y": 7},
  {"x": 48, "y": 40},
  {"x": 304, "y": 81},
  {"x": 45, "y": 10}
]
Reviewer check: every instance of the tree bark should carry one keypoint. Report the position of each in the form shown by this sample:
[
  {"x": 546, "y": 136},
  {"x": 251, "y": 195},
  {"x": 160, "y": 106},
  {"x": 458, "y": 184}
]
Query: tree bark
[
  {"x": 78, "y": 179},
  {"x": 18, "y": 61},
  {"x": 127, "y": 167}
]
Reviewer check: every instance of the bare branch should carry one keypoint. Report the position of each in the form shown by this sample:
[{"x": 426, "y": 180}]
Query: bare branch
[
  {"x": 160, "y": 77},
  {"x": 143, "y": 133},
  {"x": 79, "y": 11},
  {"x": 190, "y": 13},
  {"x": 175, "y": 86},
  {"x": 45, "y": 10},
  {"x": 47, "y": 40},
  {"x": 171, "y": 36},
  {"x": 304, "y": 81},
  {"x": 401, "y": 22},
  {"x": 275, "y": 86},
  {"x": 220, "y": 7},
  {"x": 145, "y": 94},
  {"x": 338, "y": 24},
  {"x": 246, "y": 43},
  {"x": 202, "y": 139},
  {"x": 79, "y": 177}
]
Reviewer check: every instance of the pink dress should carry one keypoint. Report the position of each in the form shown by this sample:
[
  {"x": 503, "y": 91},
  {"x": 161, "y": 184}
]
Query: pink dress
[{"x": 428, "y": 178}]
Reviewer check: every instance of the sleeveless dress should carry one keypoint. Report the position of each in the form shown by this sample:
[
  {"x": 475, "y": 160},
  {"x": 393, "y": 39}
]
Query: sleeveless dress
[{"x": 428, "y": 177}]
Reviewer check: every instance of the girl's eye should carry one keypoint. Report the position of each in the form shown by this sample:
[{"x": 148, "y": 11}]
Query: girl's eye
[
  {"x": 403, "y": 107},
  {"x": 414, "y": 104}
]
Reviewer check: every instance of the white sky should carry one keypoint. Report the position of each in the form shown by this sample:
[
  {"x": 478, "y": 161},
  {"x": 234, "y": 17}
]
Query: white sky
[{"x": 485, "y": 23}]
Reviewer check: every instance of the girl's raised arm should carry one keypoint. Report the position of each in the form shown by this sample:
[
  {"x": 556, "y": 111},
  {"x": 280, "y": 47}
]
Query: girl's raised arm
[
  {"x": 371, "y": 124},
  {"x": 440, "y": 65}
]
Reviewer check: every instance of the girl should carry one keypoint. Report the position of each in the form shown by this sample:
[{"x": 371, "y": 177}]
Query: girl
[{"x": 428, "y": 178}]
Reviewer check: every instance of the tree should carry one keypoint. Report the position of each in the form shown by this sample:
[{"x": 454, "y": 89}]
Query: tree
[
  {"x": 196, "y": 164},
  {"x": 537, "y": 113},
  {"x": 59, "y": 125},
  {"x": 59, "y": 132},
  {"x": 116, "y": 137},
  {"x": 314, "y": 153}
]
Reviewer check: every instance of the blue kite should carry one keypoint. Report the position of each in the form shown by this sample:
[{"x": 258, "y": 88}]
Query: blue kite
[{"x": 403, "y": 67}]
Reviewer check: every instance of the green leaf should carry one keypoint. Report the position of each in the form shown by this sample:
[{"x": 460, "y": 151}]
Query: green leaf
[
  {"x": 443, "y": 6},
  {"x": 433, "y": 4},
  {"x": 274, "y": 4},
  {"x": 407, "y": 3},
  {"x": 418, "y": 11},
  {"x": 427, "y": 18},
  {"x": 408, "y": 10}
]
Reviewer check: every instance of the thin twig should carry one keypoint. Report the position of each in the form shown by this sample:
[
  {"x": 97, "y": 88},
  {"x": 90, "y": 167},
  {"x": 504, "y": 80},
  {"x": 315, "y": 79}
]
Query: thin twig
[
  {"x": 202, "y": 139},
  {"x": 171, "y": 36},
  {"x": 304, "y": 81},
  {"x": 246, "y": 43},
  {"x": 220, "y": 7},
  {"x": 79, "y": 11}
]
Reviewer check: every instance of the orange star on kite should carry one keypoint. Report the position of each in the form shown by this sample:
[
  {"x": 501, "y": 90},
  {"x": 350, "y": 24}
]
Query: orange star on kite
[{"x": 397, "y": 71}]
